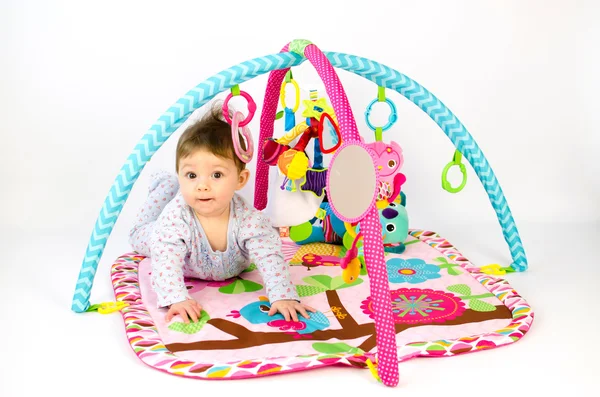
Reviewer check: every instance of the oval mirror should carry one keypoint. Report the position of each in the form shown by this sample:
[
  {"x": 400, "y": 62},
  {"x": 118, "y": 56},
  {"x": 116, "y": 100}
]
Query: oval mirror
[{"x": 351, "y": 182}]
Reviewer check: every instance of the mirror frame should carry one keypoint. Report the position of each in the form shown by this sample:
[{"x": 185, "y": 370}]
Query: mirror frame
[{"x": 343, "y": 146}]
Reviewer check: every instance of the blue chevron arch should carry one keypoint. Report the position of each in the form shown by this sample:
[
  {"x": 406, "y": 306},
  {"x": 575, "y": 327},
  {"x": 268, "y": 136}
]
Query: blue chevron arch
[{"x": 179, "y": 112}]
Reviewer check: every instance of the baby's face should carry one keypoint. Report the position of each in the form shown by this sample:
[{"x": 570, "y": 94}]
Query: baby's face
[{"x": 208, "y": 182}]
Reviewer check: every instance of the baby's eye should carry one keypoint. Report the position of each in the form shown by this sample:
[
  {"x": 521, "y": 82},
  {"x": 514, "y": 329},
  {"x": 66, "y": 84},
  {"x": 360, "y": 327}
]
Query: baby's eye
[
  {"x": 217, "y": 175},
  {"x": 190, "y": 175}
]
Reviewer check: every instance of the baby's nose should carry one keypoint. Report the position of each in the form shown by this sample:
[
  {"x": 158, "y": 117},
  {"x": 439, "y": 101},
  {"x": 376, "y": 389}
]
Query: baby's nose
[{"x": 202, "y": 186}]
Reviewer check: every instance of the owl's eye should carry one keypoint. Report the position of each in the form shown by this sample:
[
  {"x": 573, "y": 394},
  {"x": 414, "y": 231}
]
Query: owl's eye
[
  {"x": 392, "y": 163},
  {"x": 264, "y": 308},
  {"x": 390, "y": 227}
]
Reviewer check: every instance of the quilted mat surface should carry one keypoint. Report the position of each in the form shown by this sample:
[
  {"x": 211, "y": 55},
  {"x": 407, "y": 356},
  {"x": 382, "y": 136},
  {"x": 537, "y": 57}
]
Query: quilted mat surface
[{"x": 443, "y": 305}]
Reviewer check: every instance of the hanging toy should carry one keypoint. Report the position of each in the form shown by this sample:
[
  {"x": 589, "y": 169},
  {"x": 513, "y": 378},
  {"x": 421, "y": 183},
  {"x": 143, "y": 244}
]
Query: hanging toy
[
  {"x": 244, "y": 155},
  {"x": 293, "y": 162},
  {"x": 388, "y": 161},
  {"x": 456, "y": 160},
  {"x": 273, "y": 148},
  {"x": 290, "y": 119},
  {"x": 389, "y": 158},
  {"x": 239, "y": 122},
  {"x": 235, "y": 91},
  {"x": 335, "y": 132},
  {"x": 393, "y": 117},
  {"x": 350, "y": 263}
]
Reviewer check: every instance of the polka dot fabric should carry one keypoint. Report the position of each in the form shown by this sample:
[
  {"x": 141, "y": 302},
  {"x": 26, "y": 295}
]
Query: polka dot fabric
[
  {"x": 267, "y": 123},
  {"x": 335, "y": 91},
  {"x": 387, "y": 356}
]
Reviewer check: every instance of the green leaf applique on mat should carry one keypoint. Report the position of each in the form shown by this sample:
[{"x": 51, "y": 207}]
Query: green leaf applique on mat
[
  {"x": 336, "y": 348},
  {"x": 309, "y": 290},
  {"x": 475, "y": 302},
  {"x": 240, "y": 286},
  {"x": 444, "y": 264},
  {"x": 319, "y": 280},
  {"x": 461, "y": 289},
  {"x": 191, "y": 327},
  {"x": 321, "y": 283},
  {"x": 481, "y": 306}
]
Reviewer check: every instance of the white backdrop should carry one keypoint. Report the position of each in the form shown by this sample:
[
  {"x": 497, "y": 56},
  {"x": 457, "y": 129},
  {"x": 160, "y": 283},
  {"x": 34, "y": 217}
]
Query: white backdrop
[{"x": 81, "y": 82}]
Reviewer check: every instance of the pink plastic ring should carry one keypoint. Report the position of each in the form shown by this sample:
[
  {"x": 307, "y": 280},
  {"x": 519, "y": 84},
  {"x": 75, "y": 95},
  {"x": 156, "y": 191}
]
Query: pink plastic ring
[
  {"x": 251, "y": 108},
  {"x": 245, "y": 156}
]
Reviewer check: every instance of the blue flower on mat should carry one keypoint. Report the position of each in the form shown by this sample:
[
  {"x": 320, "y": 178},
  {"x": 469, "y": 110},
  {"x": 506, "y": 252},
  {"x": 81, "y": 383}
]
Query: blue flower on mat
[{"x": 412, "y": 271}]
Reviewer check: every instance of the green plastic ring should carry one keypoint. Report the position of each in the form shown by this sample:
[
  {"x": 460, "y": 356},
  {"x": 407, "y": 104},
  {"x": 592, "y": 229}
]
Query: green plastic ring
[{"x": 446, "y": 184}]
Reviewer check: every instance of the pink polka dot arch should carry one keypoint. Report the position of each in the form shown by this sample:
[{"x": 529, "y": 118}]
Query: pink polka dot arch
[{"x": 352, "y": 198}]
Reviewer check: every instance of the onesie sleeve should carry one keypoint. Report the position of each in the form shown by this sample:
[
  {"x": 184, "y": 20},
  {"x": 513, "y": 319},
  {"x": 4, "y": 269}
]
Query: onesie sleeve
[
  {"x": 170, "y": 245},
  {"x": 262, "y": 243}
]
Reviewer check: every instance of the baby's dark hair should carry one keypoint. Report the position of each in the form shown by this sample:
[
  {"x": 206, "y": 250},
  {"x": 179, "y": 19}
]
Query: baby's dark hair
[{"x": 211, "y": 133}]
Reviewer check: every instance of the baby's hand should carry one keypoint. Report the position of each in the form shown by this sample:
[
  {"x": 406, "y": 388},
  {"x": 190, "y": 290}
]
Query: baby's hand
[
  {"x": 289, "y": 307},
  {"x": 188, "y": 307}
]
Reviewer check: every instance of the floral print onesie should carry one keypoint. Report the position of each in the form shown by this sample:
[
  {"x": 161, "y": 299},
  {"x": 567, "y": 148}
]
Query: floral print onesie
[{"x": 167, "y": 231}]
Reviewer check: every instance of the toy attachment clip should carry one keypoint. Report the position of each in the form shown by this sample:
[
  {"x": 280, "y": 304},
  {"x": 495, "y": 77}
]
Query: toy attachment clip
[{"x": 107, "y": 307}]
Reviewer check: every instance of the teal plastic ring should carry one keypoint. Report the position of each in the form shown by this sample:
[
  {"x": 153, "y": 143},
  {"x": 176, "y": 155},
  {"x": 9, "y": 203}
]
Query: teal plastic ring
[{"x": 391, "y": 119}]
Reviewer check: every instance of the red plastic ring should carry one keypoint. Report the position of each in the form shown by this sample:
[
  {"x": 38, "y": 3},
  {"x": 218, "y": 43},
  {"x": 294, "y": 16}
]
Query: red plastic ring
[
  {"x": 251, "y": 108},
  {"x": 320, "y": 129}
]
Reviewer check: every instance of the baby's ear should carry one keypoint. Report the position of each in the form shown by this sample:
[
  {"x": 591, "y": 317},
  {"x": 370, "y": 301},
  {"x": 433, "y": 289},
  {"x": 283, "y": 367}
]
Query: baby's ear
[{"x": 243, "y": 178}]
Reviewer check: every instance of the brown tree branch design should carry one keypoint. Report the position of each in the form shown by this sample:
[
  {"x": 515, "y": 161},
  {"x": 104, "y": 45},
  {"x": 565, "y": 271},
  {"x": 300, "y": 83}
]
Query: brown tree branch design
[{"x": 350, "y": 329}]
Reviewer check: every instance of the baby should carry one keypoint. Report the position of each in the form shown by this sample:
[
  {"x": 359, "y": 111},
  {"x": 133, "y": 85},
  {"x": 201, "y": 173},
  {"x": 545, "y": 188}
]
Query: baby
[{"x": 194, "y": 224}]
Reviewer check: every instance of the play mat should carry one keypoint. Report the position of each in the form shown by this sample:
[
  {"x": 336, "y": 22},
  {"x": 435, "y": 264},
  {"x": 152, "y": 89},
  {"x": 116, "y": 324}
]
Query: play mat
[
  {"x": 442, "y": 306},
  {"x": 385, "y": 290}
]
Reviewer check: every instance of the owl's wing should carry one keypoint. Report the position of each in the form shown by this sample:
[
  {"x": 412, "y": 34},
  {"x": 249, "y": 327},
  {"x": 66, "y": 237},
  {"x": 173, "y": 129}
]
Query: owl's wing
[{"x": 316, "y": 322}]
